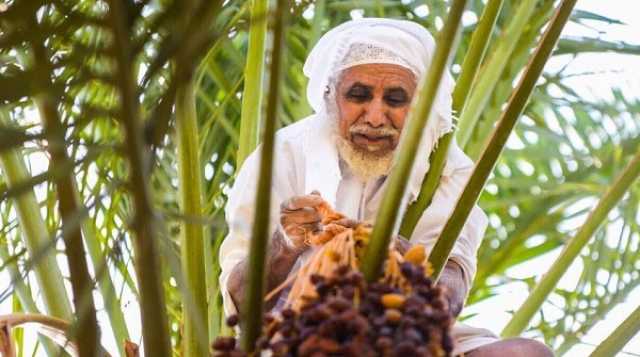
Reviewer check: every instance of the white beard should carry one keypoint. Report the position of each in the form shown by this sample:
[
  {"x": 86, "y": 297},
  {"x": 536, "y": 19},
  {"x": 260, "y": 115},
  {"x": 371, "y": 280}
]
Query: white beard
[{"x": 364, "y": 165}]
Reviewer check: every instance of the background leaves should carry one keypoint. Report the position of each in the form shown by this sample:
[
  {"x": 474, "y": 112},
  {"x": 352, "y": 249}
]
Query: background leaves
[{"x": 567, "y": 148}]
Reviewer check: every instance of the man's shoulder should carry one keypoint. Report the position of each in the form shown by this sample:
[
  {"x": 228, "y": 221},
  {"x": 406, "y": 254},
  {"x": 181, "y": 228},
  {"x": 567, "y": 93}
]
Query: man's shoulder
[{"x": 296, "y": 129}]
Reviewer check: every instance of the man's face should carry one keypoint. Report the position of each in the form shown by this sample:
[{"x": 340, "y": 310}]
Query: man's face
[{"x": 373, "y": 101}]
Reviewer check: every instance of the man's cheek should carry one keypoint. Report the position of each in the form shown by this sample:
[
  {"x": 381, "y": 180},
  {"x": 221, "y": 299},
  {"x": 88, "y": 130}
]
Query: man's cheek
[{"x": 399, "y": 118}]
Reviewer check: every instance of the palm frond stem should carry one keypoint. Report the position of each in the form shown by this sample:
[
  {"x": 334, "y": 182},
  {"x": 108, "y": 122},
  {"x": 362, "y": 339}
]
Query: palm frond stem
[
  {"x": 35, "y": 233},
  {"x": 155, "y": 329},
  {"x": 260, "y": 235},
  {"x": 88, "y": 337},
  {"x": 491, "y": 71},
  {"x": 387, "y": 216},
  {"x": 540, "y": 293},
  {"x": 250, "y": 120},
  {"x": 473, "y": 58},
  {"x": 615, "y": 342},
  {"x": 27, "y": 302},
  {"x": 483, "y": 168},
  {"x": 192, "y": 233}
]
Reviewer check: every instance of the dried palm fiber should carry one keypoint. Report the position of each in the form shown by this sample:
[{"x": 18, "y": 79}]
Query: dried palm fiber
[{"x": 341, "y": 242}]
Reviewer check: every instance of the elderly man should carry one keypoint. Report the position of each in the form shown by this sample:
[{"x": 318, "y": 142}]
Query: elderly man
[{"x": 362, "y": 77}]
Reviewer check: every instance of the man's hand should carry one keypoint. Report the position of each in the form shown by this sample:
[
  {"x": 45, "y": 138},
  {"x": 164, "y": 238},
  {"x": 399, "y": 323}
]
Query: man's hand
[
  {"x": 401, "y": 244},
  {"x": 280, "y": 259},
  {"x": 300, "y": 218},
  {"x": 452, "y": 278}
]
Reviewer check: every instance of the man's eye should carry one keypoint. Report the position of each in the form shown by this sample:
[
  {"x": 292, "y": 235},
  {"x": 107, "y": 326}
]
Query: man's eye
[
  {"x": 396, "y": 97},
  {"x": 396, "y": 100},
  {"x": 358, "y": 95}
]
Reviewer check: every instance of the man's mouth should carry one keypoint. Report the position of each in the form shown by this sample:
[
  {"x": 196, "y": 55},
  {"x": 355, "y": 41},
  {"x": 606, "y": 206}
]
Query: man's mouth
[{"x": 372, "y": 142}]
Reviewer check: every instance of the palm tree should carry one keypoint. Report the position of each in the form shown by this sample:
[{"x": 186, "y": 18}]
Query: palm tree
[{"x": 124, "y": 122}]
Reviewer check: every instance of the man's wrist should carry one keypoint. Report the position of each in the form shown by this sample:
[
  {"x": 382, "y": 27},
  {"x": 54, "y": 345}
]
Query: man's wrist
[
  {"x": 282, "y": 250},
  {"x": 452, "y": 278}
]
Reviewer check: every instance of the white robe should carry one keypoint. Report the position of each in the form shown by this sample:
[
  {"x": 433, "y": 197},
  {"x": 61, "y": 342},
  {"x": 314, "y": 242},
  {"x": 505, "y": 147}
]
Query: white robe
[{"x": 305, "y": 160}]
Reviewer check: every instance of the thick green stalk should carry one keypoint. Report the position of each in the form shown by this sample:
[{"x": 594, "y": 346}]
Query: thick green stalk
[
  {"x": 254, "y": 76},
  {"x": 619, "y": 337},
  {"x": 192, "y": 233},
  {"x": 437, "y": 160},
  {"x": 35, "y": 234},
  {"x": 503, "y": 89},
  {"x": 420, "y": 112},
  {"x": 490, "y": 73},
  {"x": 86, "y": 330},
  {"x": 540, "y": 293},
  {"x": 17, "y": 336},
  {"x": 23, "y": 294},
  {"x": 106, "y": 286},
  {"x": 216, "y": 316},
  {"x": 260, "y": 235},
  {"x": 155, "y": 328},
  {"x": 487, "y": 161},
  {"x": 87, "y": 334},
  {"x": 319, "y": 15},
  {"x": 479, "y": 43}
]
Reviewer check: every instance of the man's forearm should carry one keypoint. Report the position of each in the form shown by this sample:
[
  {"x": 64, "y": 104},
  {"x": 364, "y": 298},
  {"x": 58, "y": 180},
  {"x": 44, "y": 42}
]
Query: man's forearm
[
  {"x": 452, "y": 277},
  {"x": 280, "y": 260}
]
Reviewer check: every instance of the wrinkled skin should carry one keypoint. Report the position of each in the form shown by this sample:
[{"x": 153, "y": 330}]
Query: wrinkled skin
[
  {"x": 373, "y": 101},
  {"x": 513, "y": 347}
]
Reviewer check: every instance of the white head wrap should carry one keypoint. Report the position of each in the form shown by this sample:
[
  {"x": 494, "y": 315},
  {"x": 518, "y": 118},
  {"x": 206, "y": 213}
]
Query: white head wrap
[{"x": 376, "y": 40}]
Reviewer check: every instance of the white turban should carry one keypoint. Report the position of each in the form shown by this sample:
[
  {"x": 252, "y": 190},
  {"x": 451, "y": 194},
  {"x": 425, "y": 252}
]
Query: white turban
[{"x": 376, "y": 40}]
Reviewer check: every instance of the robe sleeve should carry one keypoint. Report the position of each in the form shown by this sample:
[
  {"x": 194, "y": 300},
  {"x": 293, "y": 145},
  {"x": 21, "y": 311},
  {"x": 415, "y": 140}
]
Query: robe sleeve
[
  {"x": 239, "y": 213},
  {"x": 457, "y": 171}
]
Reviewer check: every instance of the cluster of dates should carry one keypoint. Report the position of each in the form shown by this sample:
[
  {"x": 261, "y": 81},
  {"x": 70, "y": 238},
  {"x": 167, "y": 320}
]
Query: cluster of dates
[{"x": 349, "y": 317}]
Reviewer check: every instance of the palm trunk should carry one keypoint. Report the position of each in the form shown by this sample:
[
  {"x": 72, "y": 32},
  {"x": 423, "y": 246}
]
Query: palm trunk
[
  {"x": 192, "y": 233},
  {"x": 260, "y": 235},
  {"x": 389, "y": 211},
  {"x": 440, "y": 253}
]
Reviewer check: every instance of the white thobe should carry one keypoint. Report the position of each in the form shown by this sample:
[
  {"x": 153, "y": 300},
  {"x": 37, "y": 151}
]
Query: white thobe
[{"x": 306, "y": 160}]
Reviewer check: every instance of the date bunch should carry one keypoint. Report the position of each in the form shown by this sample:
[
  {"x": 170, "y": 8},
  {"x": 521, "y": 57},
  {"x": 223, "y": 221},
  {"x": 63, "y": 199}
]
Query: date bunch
[{"x": 349, "y": 317}]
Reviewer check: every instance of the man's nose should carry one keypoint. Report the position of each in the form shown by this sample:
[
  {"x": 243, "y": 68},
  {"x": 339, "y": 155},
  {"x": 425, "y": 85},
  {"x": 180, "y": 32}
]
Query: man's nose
[{"x": 376, "y": 116}]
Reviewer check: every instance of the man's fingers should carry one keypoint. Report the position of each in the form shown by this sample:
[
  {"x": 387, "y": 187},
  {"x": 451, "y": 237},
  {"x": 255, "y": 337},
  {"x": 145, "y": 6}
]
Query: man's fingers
[
  {"x": 347, "y": 222},
  {"x": 301, "y": 229},
  {"x": 402, "y": 245},
  {"x": 301, "y": 216},
  {"x": 298, "y": 202},
  {"x": 298, "y": 233}
]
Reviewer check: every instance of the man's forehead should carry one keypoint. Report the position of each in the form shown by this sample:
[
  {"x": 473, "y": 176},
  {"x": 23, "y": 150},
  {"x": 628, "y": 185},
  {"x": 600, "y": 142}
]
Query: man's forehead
[{"x": 375, "y": 74}]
